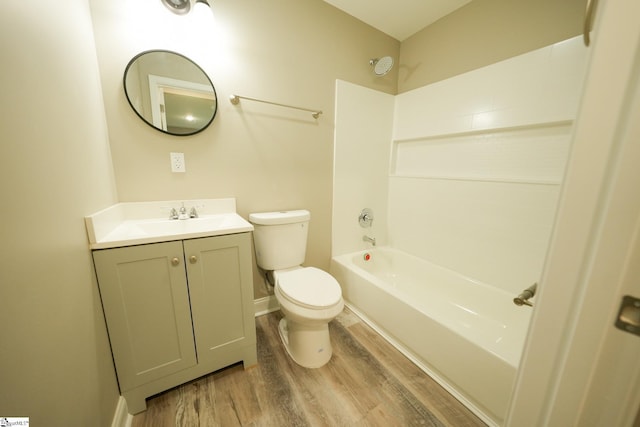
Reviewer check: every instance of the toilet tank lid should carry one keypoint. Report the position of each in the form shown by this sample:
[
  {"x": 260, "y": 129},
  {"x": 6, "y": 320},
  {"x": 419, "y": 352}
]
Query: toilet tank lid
[{"x": 282, "y": 217}]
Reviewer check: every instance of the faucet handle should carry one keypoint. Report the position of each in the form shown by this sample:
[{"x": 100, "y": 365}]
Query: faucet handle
[
  {"x": 522, "y": 301},
  {"x": 173, "y": 214},
  {"x": 193, "y": 213},
  {"x": 523, "y": 298},
  {"x": 365, "y": 218},
  {"x": 183, "y": 212}
]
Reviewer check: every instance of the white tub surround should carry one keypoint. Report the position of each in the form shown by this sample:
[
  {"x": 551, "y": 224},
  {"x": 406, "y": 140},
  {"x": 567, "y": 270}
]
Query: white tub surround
[
  {"x": 364, "y": 126},
  {"x": 467, "y": 335},
  {"x": 464, "y": 172},
  {"x": 135, "y": 223},
  {"x": 477, "y": 161}
]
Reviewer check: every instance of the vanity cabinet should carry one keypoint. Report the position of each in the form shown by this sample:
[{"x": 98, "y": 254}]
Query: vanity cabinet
[{"x": 176, "y": 311}]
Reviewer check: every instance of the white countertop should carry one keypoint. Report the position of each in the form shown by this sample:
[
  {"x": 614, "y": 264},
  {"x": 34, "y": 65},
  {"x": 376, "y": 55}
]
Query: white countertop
[{"x": 136, "y": 223}]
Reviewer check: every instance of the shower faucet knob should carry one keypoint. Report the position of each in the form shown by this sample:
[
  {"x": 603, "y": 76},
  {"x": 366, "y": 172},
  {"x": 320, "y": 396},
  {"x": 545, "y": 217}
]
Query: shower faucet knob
[{"x": 366, "y": 218}]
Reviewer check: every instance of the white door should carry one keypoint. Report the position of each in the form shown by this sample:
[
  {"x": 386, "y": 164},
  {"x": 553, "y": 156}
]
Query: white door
[{"x": 578, "y": 368}]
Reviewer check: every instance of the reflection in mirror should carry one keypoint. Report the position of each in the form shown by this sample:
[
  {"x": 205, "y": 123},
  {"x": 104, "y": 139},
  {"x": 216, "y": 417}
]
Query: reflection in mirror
[{"x": 170, "y": 92}]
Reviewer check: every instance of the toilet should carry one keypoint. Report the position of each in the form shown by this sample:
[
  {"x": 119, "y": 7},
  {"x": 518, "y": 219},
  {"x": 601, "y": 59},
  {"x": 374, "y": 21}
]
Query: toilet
[{"x": 309, "y": 297}]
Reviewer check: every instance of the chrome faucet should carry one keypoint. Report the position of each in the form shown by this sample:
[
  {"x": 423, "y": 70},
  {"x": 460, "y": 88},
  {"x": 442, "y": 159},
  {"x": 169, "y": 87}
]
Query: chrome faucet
[
  {"x": 371, "y": 240},
  {"x": 183, "y": 213},
  {"x": 523, "y": 298}
]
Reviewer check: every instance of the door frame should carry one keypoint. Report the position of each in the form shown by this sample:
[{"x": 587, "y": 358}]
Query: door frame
[{"x": 571, "y": 338}]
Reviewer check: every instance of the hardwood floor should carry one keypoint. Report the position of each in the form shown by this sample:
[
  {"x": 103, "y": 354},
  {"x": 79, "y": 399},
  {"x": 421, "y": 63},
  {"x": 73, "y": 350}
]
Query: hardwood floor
[{"x": 366, "y": 383}]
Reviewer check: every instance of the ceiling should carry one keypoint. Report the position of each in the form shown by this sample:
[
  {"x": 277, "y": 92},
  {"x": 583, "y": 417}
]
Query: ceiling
[{"x": 398, "y": 18}]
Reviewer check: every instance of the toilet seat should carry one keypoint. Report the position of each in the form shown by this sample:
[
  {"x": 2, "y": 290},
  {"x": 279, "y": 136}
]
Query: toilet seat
[{"x": 310, "y": 287}]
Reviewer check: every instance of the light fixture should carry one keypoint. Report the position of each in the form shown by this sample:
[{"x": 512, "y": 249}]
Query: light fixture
[
  {"x": 202, "y": 3},
  {"x": 182, "y": 7},
  {"x": 202, "y": 8},
  {"x": 179, "y": 7}
]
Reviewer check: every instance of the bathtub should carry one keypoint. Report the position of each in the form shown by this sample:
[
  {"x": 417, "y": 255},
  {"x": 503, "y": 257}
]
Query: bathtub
[{"x": 467, "y": 335}]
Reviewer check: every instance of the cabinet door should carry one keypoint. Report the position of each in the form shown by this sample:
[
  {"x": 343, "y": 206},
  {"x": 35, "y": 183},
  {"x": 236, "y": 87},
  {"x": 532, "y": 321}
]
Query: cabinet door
[
  {"x": 221, "y": 289},
  {"x": 146, "y": 304}
]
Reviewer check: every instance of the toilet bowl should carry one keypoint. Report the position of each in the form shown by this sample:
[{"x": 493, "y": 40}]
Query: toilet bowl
[{"x": 309, "y": 298}]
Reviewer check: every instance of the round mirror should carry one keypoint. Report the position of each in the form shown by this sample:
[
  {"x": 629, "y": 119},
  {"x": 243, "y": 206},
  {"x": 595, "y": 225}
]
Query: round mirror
[{"x": 170, "y": 92}]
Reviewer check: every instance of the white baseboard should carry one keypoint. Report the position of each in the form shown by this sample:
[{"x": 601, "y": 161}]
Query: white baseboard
[
  {"x": 122, "y": 418},
  {"x": 265, "y": 305}
]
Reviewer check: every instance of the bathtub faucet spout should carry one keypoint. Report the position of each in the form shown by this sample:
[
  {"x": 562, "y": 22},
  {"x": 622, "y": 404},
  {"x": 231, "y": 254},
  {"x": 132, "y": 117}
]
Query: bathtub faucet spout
[
  {"x": 523, "y": 298},
  {"x": 371, "y": 240}
]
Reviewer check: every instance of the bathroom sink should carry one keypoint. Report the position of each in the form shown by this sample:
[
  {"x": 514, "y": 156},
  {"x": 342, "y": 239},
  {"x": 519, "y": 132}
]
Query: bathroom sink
[
  {"x": 127, "y": 224},
  {"x": 187, "y": 226}
]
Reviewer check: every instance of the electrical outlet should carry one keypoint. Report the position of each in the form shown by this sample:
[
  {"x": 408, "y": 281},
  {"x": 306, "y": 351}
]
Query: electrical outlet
[{"x": 177, "y": 162}]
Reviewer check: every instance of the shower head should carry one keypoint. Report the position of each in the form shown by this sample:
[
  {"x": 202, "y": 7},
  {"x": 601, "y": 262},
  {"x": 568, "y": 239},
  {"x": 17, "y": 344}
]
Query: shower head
[{"x": 381, "y": 66}]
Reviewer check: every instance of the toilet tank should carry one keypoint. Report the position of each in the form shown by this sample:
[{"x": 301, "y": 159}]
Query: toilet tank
[{"x": 280, "y": 238}]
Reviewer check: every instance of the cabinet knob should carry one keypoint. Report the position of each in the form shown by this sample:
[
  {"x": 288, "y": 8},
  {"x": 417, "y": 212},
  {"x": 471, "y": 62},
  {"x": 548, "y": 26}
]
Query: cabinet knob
[
  {"x": 193, "y": 259},
  {"x": 175, "y": 261}
]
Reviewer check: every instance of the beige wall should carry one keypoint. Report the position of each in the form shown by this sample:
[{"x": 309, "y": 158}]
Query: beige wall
[
  {"x": 269, "y": 158},
  {"x": 484, "y": 32},
  {"x": 55, "y": 363}
]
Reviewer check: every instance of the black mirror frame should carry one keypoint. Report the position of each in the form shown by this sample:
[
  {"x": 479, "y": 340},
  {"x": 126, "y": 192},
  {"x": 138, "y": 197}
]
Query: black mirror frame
[{"x": 124, "y": 84}]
